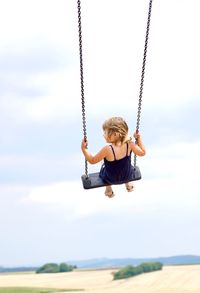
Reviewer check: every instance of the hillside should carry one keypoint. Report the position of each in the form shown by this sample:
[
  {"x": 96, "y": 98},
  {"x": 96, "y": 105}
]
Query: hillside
[{"x": 112, "y": 262}]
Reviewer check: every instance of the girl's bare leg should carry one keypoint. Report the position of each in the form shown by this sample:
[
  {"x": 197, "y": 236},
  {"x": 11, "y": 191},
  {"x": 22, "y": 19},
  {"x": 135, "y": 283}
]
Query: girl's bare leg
[{"x": 109, "y": 192}]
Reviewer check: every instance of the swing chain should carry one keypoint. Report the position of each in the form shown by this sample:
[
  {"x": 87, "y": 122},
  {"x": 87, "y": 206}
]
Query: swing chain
[
  {"x": 81, "y": 79},
  {"x": 143, "y": 73}
]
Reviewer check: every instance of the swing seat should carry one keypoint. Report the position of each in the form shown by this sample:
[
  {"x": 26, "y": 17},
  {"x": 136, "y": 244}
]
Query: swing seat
[{"x": 94, "y": 181}]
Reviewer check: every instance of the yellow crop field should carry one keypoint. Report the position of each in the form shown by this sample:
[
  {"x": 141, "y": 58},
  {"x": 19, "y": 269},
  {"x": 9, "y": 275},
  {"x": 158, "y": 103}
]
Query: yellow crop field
[{"x": 172, "y": 279}]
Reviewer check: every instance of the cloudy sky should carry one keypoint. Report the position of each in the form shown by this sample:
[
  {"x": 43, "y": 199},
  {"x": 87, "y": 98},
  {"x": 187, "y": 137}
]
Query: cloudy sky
[{"x": 45, "y": 215}]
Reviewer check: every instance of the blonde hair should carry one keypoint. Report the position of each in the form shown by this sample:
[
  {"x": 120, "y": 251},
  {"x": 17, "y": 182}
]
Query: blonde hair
[{"x": 116, "y": 125}]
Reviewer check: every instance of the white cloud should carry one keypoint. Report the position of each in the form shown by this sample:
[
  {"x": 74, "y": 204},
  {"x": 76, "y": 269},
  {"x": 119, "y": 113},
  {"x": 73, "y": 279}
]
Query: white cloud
[
  {"x": 71, "y": 197},
  {"x": 112, "y": 65},
  {"x": 149, "y": 195},
  {"x": 57, "y": 104},
  {"x": 170, "y": 178},
  {"x": 23, "y": 15},
  {"x": 177, "y": 160},
  {"x": 62, "y": 101},
  {"x": 174, "y": 182},
  {"x": 13, "y": 191}
]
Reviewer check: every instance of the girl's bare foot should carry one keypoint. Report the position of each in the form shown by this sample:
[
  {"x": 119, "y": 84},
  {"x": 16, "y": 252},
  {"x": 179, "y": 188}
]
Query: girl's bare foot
[
  {"x": 129, "y": 187},
  {"x": 109, "y": 192}
]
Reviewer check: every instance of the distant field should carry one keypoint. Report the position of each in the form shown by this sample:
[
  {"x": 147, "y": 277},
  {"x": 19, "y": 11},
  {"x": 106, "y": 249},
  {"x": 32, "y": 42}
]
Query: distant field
[
  {"x": 34, "y": 290},
  {"x": 172, "y": 279}
]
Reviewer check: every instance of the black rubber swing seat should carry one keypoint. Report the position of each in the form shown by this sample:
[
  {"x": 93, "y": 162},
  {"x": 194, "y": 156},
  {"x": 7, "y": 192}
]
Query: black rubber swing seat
[{"x": 94, "y": 181}]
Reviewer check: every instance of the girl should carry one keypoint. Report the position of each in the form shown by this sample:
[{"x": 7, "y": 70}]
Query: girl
[{"x": 117, "y": 156}]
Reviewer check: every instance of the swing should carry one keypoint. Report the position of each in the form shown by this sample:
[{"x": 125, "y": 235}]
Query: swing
[{"x": 93, "y": 180}]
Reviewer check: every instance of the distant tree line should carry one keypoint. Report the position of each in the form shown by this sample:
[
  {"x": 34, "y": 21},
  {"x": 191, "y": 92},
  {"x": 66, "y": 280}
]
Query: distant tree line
[
  {"x": 130, "y": 271},
  {"x": 55, "y": 268},
  {"x": 17, "y": 269}
]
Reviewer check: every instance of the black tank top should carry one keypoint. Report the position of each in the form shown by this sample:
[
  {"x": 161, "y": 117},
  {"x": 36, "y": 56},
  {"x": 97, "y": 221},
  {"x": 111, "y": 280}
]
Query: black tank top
[{"x": 117, "y": 171}]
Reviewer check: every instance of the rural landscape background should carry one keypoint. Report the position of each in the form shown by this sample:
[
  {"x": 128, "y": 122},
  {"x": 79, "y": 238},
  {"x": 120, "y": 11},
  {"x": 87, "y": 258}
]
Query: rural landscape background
[
  {"x": 45, "y": 214},
  {"x": 176, "y": 279}
]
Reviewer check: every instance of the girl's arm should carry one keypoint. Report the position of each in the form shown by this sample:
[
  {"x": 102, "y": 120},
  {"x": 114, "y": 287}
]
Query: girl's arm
[
  {"x": 96, "y": 158},
  {"x": 139, "y": 148}
]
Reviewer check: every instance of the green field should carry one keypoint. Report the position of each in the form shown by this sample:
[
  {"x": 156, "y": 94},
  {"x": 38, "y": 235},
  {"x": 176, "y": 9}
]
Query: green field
[{"x": 35, "y": 290}]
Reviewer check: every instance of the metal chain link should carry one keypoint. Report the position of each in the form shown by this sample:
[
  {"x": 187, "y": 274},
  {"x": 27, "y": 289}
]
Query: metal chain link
[
  {"x": 143, "y": 73},
  {"x": 81, "y": 79}
]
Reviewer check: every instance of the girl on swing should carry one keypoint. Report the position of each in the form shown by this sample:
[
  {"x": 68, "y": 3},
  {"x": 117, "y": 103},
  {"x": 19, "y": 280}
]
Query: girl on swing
[{"x": 117, "y": 155}]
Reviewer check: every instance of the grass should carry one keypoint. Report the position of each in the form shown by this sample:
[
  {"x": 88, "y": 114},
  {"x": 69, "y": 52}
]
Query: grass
[{"x": 35, "y": 290}]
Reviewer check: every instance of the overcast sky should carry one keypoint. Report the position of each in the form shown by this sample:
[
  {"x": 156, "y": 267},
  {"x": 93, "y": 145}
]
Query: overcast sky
[{"x": 45, "y": 214}]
